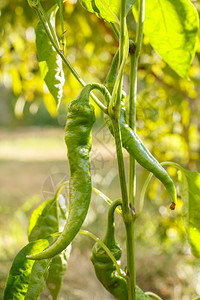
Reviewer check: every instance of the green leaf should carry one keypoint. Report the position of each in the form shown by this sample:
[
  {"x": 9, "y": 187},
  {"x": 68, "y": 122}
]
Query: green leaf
[
  {"x": 47, "y": 218},
  {"x": 20, "y": 272},
  {"x": 56, "y": 271},
  {"x": 89, "y": 5},
  {"x": 172, "y": 29},
  {"x": 44, "y": 220},
  {"x": 109, "y": 10},
  {"x": 190, "y": 193},
  {"x": 37, "y": 279},
  {"x": 59, "y": 262},
  {"x": 50, "y": 62},
  {"x": 27, "y": 278}
]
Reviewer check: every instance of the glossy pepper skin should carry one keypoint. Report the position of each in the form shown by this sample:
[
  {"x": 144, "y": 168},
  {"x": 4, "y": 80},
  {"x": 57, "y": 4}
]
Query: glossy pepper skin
[
  {"x": 135, "y": 147},
  {"x": 104, "y": 268},
  {"x": 80, "y": 120}
]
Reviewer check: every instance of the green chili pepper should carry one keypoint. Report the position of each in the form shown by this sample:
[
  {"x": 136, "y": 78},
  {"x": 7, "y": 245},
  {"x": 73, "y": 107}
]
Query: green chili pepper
[
  {"x": 104, "y": 267},
  {"x": 80, "y": 119},
  {"x": 133, "y": 144}
]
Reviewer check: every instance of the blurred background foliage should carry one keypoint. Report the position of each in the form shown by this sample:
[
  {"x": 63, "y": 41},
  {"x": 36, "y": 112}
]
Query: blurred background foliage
[{"x": 32, "y": 147}]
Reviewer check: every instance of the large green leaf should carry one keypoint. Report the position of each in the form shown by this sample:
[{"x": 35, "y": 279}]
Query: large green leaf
[
  {"x": 50, "y": 62},
  {"x": 27, "y": 278},
  {"x": 20, "y": 272},
  {"x": 190, "y": 193},
  {"x": 172, "y": 29},
  {"x": 109, "y": 10}
]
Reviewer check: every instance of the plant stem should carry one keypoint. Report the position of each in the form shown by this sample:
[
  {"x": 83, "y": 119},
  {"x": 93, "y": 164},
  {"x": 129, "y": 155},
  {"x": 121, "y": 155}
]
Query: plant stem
[
  {"x": 132, "y": 171},
  {"x": 115, "y": 29},
  {"x": 101, "y": 243},
  {"x": 121, "y": 167},
  {"x": 123, "y": 53},
  {"x": 121, "y": 47},
  {"x": 132, "y": 124},
  {"x": 134, "y": 53},
  {"x": 122, "y": 30},
  {"x": 146, "y": 184},
  {"x": 127, "y": 216},
  {"x": 155, "y": 296},
  {"x": 131, "y": 260},
  {"x": 62, "y": 25}
]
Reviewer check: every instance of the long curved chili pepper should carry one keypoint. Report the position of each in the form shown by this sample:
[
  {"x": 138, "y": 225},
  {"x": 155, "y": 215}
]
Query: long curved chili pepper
[
  {"x": 134, "y": 145},
  {"x": 131, "y": 141},
  {"x": 80, "y": 120}
]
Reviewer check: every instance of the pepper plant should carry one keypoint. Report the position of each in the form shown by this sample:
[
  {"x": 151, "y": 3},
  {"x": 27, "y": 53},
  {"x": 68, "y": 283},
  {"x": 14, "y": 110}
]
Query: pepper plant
[{"x": 172, "y": 28}]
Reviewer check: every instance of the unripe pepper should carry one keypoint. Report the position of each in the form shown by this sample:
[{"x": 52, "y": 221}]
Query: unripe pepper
[
  {"x": 135, "y": 147},
  {"x": 80, "y": 120},
  {"x": 104, "y": 267},
  {"x": 131, "y": 141}
]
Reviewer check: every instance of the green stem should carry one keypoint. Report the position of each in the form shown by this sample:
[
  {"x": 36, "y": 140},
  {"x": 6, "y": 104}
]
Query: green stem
[
  {"x": 106, "y": 199},
  {"x": 56, "y": 197},
  {"x": 99, "y": 193},
  {"x": 101, "y": 243},
  {"x": 76, "y": 75},
  {"x": 122, "y": 30},
  {"x": 123, "y": 53},
  {"x": 121, "y": 167},
  {"x": 109, "y": 238},
  {"x": 131, "y": 260},
  {"x": 115, "y": 29},
  {"x": 126, "y": 213},
  {"x": 142, "y": 195},
  {"x": 122, "y": 45},
  {"x": 62, "y": 25},
  {"x": 153, "y": 295},
  {"x": 132, "y": 124},
  {"x": 145, "y": 186},
  {"x": 134, "y": 53},
  {"x": 102, "y": 89},
  {"x": 43, "y": 15}
]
